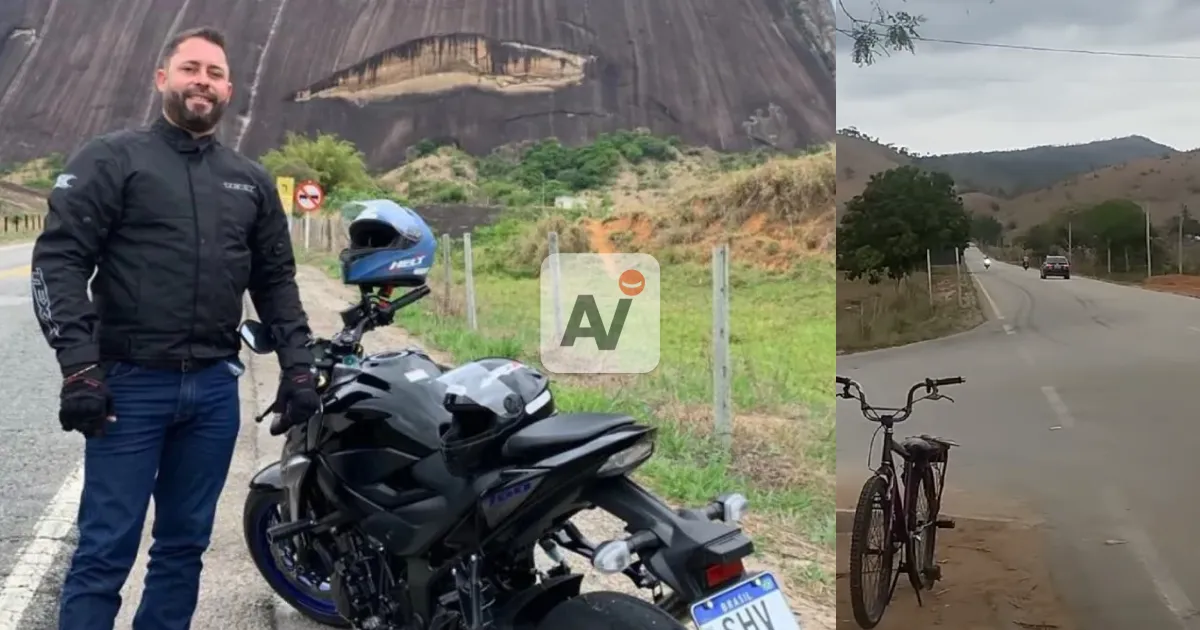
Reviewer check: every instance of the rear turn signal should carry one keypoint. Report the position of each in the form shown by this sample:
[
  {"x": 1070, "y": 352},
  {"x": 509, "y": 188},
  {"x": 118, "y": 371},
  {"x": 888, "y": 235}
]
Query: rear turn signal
[{"x": 719, "y": 574}]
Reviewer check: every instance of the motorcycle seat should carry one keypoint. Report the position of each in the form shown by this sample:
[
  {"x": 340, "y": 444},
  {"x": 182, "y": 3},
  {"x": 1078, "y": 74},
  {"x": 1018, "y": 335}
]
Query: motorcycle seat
[{"x": 560, "y": 432}]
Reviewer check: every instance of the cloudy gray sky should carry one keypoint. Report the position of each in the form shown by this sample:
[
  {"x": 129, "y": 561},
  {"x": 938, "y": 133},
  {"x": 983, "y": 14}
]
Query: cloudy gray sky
[{"x": 950, "y": 98}]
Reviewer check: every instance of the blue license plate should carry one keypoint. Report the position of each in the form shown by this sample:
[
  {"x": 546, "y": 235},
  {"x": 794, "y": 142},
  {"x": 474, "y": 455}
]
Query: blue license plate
[{"x": 756, "y": 603}]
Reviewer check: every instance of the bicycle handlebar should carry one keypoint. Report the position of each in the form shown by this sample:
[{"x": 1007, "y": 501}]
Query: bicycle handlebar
[{"x": 851, "y": 389}]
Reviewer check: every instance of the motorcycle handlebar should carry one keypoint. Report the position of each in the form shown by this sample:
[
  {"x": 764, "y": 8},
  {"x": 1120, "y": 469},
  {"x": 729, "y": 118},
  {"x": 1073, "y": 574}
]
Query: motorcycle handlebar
[{"x": 374, "y": 311}]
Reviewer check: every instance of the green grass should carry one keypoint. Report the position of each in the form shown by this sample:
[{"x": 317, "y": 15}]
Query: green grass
[{"x": 782, "y": 343}]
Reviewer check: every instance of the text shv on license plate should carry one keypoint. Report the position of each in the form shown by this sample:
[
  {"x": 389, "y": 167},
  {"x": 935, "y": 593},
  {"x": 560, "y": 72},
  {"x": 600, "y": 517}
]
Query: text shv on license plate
[{"x": 755, "y": 604}]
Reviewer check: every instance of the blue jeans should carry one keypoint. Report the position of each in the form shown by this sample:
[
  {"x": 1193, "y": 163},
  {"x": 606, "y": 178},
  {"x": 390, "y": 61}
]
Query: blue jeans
[{"x": 173, "y": 438}]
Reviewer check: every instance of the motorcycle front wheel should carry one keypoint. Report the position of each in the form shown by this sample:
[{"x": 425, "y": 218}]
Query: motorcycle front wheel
[{"x": 278, "y": 566}]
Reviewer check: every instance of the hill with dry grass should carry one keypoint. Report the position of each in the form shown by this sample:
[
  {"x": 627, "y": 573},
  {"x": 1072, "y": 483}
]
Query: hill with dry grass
[
  {"x": 1160, "y": 185},
  {"x": 860, "y": 159},
  {"x": 1016, "y": 172},
  {"x": 1158, "y": 176},
  {"x": 773, "y": 210}
]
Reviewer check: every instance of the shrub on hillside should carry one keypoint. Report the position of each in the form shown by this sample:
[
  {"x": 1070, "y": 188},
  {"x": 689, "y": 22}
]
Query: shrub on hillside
[
  {"x": 330, "y": 160},
  {"x": 526, "y": 245}
]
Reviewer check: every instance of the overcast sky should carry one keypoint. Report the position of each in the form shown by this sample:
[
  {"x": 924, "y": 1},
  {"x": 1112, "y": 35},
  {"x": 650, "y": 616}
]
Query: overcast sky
[{"x": 949, "y": 98}]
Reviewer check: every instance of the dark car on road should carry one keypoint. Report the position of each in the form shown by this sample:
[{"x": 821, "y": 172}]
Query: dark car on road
[{"x": 1056, "y": 266}]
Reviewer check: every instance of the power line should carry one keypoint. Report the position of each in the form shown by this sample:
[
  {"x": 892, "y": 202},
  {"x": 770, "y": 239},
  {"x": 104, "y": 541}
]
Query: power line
[{"x": 1075, "y": 51}]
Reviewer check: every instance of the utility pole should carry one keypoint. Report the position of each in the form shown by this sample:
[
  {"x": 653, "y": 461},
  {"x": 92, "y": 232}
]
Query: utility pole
[
  {"x": 1070, "y": 242},
  {"x": 1182, "y": 212},
  {"x": 1149, "y": 273}
]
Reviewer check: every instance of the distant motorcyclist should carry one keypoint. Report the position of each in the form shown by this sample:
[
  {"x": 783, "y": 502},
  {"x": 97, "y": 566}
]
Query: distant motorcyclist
[
  {"x": 987, "y": 262},
  {"x": 1025, "y": 261}
]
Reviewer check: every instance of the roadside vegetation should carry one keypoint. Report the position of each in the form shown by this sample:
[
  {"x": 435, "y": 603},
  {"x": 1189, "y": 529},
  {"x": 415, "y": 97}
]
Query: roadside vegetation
[
  {"x": 630, "y": 191},
  {"x": 904, "y": 217}
]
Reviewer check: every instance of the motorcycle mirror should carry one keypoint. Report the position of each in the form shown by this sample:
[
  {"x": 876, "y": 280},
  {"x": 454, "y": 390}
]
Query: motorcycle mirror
[{"x": 257, "y": 337}]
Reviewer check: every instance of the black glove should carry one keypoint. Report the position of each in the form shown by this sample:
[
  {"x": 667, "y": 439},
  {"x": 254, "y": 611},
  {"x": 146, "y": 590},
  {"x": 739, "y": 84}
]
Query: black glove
[
  {"x": 85, "y": 402},
  {"x": 297, "y": 398}
]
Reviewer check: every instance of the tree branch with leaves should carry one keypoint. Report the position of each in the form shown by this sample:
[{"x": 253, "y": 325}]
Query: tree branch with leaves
[{"x": 880, "y": 31}]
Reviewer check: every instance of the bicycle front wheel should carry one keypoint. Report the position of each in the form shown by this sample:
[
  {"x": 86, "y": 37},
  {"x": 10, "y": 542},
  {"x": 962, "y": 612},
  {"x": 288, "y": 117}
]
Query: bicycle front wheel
[{"x": 872, "y": 554}]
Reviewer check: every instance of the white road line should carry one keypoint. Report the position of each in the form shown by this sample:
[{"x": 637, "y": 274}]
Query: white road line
[
  {"x": 8, "y": 248},
  {"x": 1140, "y": 544},
  {"x": 1065, "y": 420},
  {"x": 37, "y": 558},
  {"x": 991, "y": 302},
  {"x": 1009, "y": 330}
]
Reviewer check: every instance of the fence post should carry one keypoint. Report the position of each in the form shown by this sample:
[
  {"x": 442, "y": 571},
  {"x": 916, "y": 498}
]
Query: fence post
[
  {"x": 929, "y": 274},
  {"x": 307, "y": 230},
  {"x": 472, "y": 323},
  {"x": 555, "y": 285},
  {"x": 447, "y": 269},
  {"x": 722, "y": 377},
  {"x": 958, "y": 276}
]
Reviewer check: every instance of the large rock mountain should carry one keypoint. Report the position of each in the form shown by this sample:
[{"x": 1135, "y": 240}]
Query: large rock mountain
[{"x": 385, "y": 74}]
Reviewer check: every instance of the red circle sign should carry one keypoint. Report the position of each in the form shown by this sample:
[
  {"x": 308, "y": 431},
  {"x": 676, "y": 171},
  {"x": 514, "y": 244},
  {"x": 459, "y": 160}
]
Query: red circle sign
[{"x": 308, "y": 196}]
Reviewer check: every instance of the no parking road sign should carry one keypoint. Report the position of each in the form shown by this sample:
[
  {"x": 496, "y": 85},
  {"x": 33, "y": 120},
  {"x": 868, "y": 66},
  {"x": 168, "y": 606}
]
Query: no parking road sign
[{"x": 309, "y": 196}]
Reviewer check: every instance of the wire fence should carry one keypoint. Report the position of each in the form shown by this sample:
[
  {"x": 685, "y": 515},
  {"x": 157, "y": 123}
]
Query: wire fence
[{"x": 328, "y": 235}]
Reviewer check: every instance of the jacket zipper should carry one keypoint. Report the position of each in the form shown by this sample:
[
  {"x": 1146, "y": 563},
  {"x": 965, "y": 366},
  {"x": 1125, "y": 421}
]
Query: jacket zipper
[{"x": 196, "y": 249}]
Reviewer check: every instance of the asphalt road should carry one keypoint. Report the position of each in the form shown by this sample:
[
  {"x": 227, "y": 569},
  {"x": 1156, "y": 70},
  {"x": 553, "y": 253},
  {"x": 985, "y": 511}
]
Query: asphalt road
[
  {"x": 39, "y": 489},
  {"x": 1080, "y": 409}
]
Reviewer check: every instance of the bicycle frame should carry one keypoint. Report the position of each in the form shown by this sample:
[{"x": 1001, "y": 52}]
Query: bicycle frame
[{"x": 887, "y": 468}]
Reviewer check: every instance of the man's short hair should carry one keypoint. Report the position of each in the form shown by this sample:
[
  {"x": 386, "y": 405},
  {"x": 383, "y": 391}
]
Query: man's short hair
[{"x": 207, "y": 33}]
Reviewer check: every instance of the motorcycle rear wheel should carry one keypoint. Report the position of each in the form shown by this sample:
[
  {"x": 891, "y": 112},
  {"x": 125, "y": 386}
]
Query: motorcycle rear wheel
[
  {"x": 259, "y": 514},
  {"x": 606, "y": 610}
]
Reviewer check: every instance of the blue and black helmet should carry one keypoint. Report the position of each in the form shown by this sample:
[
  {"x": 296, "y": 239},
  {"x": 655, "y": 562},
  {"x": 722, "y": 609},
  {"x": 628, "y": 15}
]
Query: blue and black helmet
[{"x": 390, "y": 245}]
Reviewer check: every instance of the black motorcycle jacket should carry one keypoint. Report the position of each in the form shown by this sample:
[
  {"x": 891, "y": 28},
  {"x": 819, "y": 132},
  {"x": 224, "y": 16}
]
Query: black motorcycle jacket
[{"x": 176, "y": 230}]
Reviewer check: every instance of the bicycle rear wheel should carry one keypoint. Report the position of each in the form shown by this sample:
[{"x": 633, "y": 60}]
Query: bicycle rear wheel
[
  {"x": 869, "y": 599},
  {"x": 919, "y": 552}
]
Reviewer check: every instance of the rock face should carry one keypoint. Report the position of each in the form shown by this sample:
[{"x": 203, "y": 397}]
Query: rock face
[{"x": 385, "y": 74}]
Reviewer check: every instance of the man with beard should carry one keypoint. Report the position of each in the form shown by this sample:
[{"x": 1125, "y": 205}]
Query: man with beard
[{"x": 176, "y": 228}]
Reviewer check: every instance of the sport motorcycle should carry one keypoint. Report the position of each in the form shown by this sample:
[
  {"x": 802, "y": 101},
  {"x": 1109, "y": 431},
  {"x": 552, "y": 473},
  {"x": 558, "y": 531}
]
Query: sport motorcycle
[{"x": 416, "y": 497}]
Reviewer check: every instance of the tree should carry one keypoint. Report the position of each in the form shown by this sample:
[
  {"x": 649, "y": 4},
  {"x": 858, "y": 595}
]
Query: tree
[
  {"x": 986, "y": 229},
  {"x": 1116, "y": 224},
  {"x": 330, "y": 160},
  {"x": 899, "y": 215},
  {"x": 1040, "y": 240},
  {"x": 1188, "y": 222}
]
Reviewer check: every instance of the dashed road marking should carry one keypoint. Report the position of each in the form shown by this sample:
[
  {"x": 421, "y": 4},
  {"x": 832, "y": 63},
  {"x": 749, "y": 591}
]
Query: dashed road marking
[
  {"x": 1065, "y": 419},
  {"x": 1009, "y": 330},
  {"x": 37, "y": 558}
]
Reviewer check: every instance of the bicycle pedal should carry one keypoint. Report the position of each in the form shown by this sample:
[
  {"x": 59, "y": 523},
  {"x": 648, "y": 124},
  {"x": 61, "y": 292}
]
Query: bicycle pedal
[{"x": 944, "y": 523}]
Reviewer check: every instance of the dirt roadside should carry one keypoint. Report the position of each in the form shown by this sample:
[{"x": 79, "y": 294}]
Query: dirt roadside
[
  {"x": 993, "y": 574},
  {"x": 324, "y": 298}
]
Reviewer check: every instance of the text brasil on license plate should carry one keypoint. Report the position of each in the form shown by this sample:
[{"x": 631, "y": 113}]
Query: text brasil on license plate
[{"x": 755, "y": 604}]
